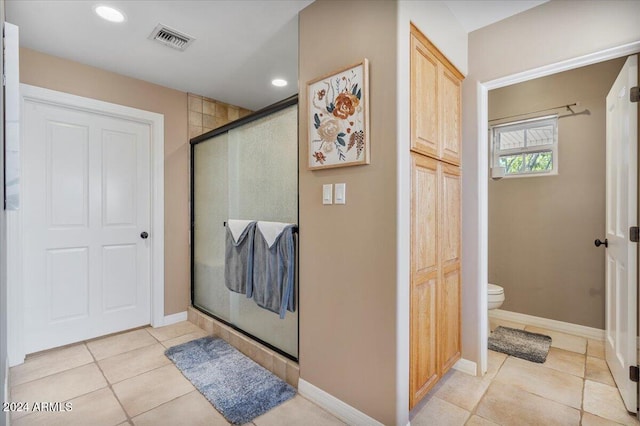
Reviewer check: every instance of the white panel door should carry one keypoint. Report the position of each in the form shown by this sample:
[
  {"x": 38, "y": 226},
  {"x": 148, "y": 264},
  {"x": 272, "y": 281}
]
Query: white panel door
[
  {"x": 86, "y": 202},
  {"x": 621, "y": 261}
]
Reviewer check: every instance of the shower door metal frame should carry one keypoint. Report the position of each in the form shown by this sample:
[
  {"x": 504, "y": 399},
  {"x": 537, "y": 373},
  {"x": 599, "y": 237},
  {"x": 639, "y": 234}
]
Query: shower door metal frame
[{"x": 265, "y": 112}]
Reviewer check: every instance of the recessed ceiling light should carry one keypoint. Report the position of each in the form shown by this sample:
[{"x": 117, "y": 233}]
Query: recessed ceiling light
[
  {"x": 109, "y": 13},
  {"x": 278, "y": 82}
]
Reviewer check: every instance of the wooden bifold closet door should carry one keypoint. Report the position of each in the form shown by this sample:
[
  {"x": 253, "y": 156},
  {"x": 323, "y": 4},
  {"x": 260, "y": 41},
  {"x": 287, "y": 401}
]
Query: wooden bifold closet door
[{"x": 435, "y": 216}]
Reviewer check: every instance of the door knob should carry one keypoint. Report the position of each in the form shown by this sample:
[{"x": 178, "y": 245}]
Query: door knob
[
  {"x": 598, "y": 243},
  {"x": 144, "y": 235}
]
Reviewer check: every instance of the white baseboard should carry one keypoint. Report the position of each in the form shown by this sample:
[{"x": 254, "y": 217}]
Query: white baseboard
[
  {"x": 466, "y": 366},
  {"x": 174, "y": 318},
  {"x": 549, "y": 324},
  {"x": 338, "y": 408}
]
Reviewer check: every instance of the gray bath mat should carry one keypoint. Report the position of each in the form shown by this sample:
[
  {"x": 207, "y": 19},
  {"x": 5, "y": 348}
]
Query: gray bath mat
[
  {"x": 519, "y": 343},
  {"x": 239, "y": 388}
]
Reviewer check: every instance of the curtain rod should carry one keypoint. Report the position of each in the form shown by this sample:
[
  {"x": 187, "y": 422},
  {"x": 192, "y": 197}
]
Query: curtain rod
[{"x": 567, "y": 106}]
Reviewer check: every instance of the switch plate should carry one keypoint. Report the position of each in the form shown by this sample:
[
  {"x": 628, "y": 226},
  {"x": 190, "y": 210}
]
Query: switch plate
[
  {"x": 341, "y": 193},
  {"x": 327, "y": 193}
]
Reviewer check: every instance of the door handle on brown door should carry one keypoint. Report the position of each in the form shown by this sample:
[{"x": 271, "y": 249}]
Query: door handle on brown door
[
  {"x": 598, "y": 243},
  {"x": 144, "y": 235}
]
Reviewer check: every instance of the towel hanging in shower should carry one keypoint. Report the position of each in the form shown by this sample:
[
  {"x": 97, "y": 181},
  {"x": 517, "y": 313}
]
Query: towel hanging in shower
[
  {"x": 274, "y": 254},
  {"x": 238, "y": 259}
]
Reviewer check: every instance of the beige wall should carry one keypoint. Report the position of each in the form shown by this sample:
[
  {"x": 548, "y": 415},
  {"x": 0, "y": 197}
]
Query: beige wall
[
  {"x": 552, "y": 32},
  {"x": 547, "y": 34},
  {"x": 541, "y": 229},
  {"x": 348, "y": 252},
  {"x": 54, "y": 73}
]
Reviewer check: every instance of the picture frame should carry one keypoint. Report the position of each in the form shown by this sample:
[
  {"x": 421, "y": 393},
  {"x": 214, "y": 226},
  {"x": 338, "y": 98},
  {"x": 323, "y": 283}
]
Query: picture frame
[{"x": 338, "y": 118}]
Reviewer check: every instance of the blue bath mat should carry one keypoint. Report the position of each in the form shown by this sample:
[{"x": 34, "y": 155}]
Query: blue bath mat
[{"x": 239, "y": 388}]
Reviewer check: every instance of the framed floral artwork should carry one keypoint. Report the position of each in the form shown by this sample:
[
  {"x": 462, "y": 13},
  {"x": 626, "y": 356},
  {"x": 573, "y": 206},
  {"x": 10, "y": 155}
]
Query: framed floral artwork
[{"x": 339, "y": 118}]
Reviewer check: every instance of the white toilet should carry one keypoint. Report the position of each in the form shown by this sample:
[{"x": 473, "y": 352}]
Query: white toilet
[
  {"x": 495, "y": 296},
  {"x": 495, "y": 299}
]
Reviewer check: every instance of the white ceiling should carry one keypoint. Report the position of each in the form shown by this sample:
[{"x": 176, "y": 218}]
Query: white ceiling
[{"x": 240, "y": 45}]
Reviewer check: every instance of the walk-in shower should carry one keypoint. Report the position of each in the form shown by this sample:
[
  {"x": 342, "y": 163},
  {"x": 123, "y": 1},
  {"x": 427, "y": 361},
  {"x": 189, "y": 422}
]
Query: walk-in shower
[{"x": 248, "y": 170}]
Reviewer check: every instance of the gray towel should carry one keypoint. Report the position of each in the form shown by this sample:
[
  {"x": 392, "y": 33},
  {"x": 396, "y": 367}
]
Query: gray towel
[
  {"x": 238, "y": 259},
  {"x": 274, "y": 272}
]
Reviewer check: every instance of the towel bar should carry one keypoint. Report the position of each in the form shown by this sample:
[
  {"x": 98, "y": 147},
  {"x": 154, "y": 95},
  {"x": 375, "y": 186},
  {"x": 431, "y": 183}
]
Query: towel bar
[{"x": 295, "y": 228}]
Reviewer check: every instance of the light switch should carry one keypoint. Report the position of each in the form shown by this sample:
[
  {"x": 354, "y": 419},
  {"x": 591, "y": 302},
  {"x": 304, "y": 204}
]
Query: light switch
[
  {"x": 327, "y": 193},
  {"x": 341, "y": 193}
]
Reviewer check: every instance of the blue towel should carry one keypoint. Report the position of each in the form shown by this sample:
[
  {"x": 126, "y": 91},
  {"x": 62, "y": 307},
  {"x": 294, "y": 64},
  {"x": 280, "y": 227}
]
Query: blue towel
[
  {"x": 274, "y": 266},
  {"x": 238, "y": 259}
]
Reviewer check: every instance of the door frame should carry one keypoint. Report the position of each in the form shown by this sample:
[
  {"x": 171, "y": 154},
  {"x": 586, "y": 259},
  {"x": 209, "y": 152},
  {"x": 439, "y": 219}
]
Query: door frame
[
  {"x": 482, "y": 90},
  {"x": 155, "y": 121}
]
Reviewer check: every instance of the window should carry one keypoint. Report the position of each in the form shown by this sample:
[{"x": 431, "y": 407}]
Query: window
[{"x": 526, "y": 148}]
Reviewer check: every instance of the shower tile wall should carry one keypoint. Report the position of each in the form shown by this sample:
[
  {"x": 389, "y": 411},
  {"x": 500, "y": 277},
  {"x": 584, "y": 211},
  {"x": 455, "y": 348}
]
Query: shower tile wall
[{"x": 207, "y": 114}]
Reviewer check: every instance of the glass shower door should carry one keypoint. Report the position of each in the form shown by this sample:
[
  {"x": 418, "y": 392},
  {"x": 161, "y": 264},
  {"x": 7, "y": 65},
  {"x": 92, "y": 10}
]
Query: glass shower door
[{"x": 249, "y": 172}]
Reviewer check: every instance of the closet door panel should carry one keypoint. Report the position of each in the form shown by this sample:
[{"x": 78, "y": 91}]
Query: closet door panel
[
  {"x": 450, "y": 221},
  {"x": 449, "y": 318},
  {"x": 450, "y": 140},
  {"x": 424, "y": 276},
  {"x": 449, "y": 268},
  {"x": 424, "y": 100},
  {"x": 424, "y": 359},
  {"x": 424, "y": 216}
]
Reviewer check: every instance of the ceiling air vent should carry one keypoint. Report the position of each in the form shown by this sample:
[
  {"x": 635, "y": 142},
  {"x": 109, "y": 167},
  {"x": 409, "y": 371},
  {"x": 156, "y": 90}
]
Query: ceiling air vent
[{"x": 170, "y": 37}]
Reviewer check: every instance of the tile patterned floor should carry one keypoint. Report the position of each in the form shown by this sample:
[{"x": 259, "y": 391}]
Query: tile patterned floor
[
  {"x": 573, "y": 387},
  {"x": 126, "y": 380}
]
